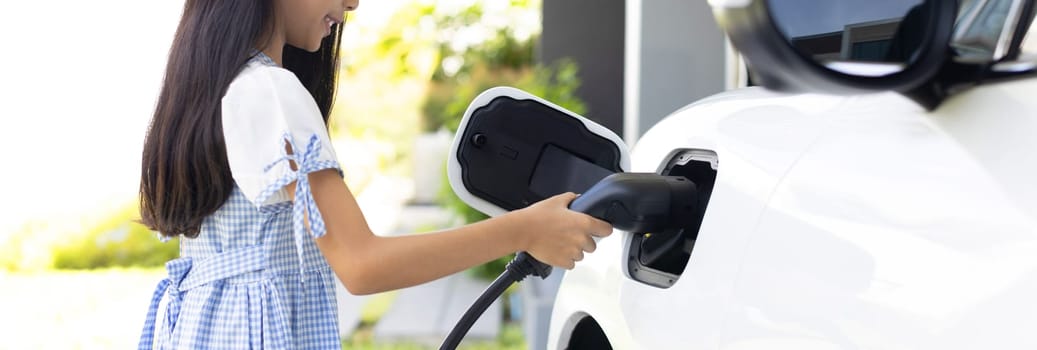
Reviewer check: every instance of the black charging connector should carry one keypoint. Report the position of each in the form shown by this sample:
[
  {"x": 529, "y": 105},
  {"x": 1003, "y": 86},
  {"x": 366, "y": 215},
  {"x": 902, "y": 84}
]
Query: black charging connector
[
  {"x": 639, "y": 202},
  {"x": 632, "y": 202}
]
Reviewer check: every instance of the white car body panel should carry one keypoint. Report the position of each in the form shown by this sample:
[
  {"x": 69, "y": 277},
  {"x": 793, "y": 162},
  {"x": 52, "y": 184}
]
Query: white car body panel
[{"x": 838, "y": 222}]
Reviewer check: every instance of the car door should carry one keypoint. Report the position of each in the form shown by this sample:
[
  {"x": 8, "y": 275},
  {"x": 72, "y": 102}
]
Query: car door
[
  {"x": 900, "y": 228},
  {"x": 737, "y": 146}
]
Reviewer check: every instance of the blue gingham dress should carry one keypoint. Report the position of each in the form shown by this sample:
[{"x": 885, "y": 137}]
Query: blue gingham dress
[{"x": 254, "y": 278}]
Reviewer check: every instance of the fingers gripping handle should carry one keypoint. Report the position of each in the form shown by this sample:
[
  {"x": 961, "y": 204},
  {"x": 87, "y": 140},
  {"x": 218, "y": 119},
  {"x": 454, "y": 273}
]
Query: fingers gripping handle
[{"x": 638, "y": 202}]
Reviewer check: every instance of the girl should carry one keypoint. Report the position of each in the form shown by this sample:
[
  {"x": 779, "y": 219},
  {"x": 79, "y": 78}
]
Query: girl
[{"x": 238, "y": 161}]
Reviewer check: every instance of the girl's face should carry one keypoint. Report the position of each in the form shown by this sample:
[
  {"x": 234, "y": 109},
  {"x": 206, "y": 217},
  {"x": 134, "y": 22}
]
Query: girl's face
[{"x": 306, "y": 22}]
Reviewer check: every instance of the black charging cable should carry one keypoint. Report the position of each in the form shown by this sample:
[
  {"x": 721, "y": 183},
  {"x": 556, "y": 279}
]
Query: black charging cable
[{"x": 523, "y": 265}]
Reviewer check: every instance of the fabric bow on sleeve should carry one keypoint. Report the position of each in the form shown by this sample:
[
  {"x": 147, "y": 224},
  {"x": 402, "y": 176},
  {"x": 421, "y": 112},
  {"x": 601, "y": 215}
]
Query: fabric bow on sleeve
[{"x": 307, "y": 161}]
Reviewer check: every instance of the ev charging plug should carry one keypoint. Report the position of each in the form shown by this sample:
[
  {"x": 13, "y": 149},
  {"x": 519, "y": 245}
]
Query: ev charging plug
[
  {"x": 632, "y": 202},
  {"x": 639, "y": 202}
]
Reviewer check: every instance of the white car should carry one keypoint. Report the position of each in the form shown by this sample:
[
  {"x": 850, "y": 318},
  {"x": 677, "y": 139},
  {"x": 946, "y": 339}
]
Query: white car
[{"x": 899, "y": 212}]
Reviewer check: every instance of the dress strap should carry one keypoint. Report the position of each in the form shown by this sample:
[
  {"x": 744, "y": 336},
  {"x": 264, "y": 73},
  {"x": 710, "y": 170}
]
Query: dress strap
[{"x": 185, "y": 274}]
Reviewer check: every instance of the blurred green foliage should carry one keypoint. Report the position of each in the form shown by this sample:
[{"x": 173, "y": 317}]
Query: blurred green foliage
[
  {"x": 448, "y": 99},
  {"x": 114, "y": 240},
  {"x": 385, "y": 71},
  {"x": 502, "y": 60},
  {"x": 118, "y": 241}
]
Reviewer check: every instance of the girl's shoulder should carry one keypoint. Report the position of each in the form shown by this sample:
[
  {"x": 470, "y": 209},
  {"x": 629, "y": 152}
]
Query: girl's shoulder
[{"x": 260, "y": 82}]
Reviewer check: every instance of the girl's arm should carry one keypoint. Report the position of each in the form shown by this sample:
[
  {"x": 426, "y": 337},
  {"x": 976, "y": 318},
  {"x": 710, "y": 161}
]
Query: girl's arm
[{"x": 366, "y": 263}]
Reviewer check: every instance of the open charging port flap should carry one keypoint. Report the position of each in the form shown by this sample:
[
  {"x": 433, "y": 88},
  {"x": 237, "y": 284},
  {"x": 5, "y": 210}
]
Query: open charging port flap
[{"x": 659, "y": 258}]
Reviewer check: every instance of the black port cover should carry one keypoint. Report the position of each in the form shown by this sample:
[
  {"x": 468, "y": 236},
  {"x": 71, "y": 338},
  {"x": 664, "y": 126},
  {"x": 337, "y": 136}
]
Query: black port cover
[{"x": 515, "y": 152}]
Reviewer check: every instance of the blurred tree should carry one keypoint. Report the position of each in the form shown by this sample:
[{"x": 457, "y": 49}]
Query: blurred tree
[
  {"x": 469, "y": 67},
  {"x": 118, "y": 241},
  {"x": 385, "y": 72},
  {"x": 115, "y": 240}
]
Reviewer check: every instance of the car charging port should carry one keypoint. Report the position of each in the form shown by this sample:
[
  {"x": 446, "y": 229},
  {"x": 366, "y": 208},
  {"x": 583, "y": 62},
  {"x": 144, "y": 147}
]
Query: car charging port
[
  {"x": 665, "y": 249},
  {"x": 660, "y": 258}
]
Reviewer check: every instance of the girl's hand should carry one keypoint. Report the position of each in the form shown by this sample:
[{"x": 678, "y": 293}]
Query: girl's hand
[{"x": 556, "y": 235}]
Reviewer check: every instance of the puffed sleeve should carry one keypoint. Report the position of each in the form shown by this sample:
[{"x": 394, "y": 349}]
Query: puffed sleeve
[{"x": 270, "y": 123}]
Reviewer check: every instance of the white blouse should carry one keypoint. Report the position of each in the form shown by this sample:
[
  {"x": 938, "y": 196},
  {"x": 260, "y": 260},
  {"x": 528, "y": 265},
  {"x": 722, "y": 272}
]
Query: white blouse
[{"x": 265, "y": 109}]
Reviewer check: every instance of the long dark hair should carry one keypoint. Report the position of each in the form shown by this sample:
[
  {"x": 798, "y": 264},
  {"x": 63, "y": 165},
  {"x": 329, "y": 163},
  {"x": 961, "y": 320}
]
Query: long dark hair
[{"x": 184, "y": 171}]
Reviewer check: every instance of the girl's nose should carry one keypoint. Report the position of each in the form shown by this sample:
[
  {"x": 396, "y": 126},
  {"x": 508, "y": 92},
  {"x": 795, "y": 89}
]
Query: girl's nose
[{"x": 350, "y": 5}]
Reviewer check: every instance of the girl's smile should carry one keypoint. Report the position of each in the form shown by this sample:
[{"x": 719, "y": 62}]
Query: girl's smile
[{"x": 305, "y": 23}]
